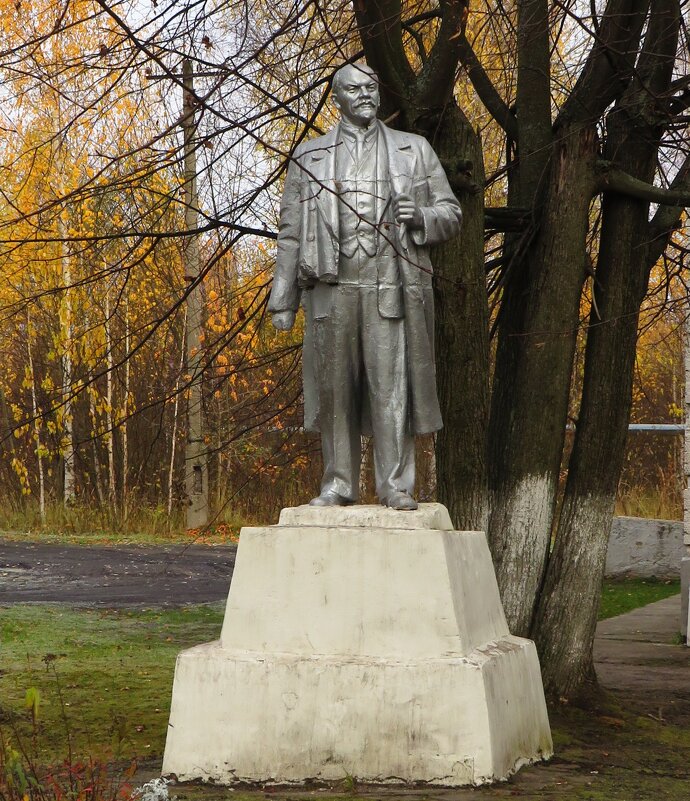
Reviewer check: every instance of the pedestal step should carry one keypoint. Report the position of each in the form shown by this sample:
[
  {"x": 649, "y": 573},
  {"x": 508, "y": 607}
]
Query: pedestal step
[{"x": 363, "y": 647}]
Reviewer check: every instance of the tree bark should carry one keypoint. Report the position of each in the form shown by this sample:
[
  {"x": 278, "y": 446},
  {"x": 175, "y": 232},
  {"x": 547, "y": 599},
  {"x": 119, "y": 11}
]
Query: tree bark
[
  {"x": 462, "y": 332},
  {"x": 533, "y": 98},
  {"x": 109, "y": 378},
  {"x": 37, "y": 419},
  {"x": 176, "y": 406},
  {"x": 570, "y": 598},
  {"x": 537, "y": 335},
  {"x": 67, "y": 445},
  {"x": 125, "y": 416}
]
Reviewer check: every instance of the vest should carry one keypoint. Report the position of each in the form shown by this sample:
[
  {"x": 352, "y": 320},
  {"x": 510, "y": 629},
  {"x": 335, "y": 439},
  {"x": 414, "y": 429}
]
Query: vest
[{"x": 362, "y": 191}]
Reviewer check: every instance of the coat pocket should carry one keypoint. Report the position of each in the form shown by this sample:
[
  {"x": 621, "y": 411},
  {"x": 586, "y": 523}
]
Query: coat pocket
[{"x": 390, "y": 301}]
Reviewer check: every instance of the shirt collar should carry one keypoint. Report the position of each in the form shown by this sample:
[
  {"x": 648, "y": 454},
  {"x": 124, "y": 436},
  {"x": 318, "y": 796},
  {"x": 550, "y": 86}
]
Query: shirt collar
[{"x": 350, "y": 131}]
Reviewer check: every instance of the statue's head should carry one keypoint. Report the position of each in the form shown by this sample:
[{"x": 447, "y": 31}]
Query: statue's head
[{"x": 356, "y": 93}]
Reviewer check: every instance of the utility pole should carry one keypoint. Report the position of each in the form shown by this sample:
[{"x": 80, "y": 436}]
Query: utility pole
[{"x": 196, "y": 467}]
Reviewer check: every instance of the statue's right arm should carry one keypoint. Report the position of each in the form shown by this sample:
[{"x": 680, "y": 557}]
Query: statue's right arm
[
  {"x": 283, "y": 320},
  {"x": 285, "y": 294}
]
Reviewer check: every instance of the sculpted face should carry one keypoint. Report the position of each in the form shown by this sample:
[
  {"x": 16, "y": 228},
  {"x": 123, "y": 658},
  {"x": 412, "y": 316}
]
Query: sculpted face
[{"x": 356, "y": 94}]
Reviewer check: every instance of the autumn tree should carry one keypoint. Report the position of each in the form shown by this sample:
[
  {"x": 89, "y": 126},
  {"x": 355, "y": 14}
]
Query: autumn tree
[{"x": 92, "y": 233}]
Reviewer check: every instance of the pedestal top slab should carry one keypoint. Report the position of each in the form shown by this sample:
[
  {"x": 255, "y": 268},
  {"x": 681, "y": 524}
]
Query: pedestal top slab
[{"x": 429, "y": 516}]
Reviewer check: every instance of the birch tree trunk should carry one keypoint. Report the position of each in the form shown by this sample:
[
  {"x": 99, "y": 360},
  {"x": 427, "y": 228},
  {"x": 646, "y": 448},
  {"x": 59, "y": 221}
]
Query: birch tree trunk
[
  {"x": 97, "y": 472},
  {"x": 110, "y": 437},
  {"x": 67, "y": 445},
  {"x": 37, "y": 421},
  {"x": 125, "y": 414}
]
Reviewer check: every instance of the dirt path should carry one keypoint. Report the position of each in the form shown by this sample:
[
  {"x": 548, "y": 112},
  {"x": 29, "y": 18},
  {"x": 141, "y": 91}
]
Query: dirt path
[{"x": 114, "y": 577}]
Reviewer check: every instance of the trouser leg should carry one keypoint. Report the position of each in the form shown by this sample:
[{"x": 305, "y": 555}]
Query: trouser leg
[
  {"x": 338, "y": 368},
  {"x": 385, "y": 362}
]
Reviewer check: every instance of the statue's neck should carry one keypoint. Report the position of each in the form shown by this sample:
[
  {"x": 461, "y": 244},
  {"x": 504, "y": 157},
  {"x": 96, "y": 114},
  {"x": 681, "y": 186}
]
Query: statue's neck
[{"x": 352, "y": 128}]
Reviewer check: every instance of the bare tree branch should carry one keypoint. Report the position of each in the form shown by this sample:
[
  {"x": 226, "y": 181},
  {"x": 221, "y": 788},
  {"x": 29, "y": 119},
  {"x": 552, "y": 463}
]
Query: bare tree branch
[
  {"x": 667, "y": 217},
  {"x": 612, "y": 179},
  {"x": 380, "y": 28},
  {"x": 485, "y": 89},
  {"x": 609, "y": 64}
]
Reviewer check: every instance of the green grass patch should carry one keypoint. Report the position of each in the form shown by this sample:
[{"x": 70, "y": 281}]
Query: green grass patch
[
  {"x": 623, "y": 595},
  {"x": 103, "y": 677},
  {"x": 612, "y": 754}
]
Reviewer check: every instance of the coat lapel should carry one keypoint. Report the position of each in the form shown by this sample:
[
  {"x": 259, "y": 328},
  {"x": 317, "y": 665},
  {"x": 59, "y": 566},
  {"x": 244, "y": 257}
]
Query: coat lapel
[
  {"x": 401, "y": 161},
  {"x": 320, "y": 166}
]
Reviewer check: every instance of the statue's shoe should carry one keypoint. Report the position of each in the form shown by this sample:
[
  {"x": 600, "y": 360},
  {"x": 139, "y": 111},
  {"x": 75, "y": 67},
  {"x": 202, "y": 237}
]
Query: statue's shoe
[
  {"x": 400, "y": 500},
  {"x": 330, "y": 498}
]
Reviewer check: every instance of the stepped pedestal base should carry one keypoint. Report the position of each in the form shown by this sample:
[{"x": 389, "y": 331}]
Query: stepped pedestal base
[{"x": 361, "y": 642}]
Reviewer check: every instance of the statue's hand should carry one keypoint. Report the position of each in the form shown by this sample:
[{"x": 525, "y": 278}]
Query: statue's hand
[
  {"x": 283, "y": 320},
  {"x": 407, "y": 211}
]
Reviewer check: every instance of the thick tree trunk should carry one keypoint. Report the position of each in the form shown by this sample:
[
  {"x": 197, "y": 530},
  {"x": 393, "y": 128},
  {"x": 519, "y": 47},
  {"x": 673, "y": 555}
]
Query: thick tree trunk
[
  {"x": 533, "y": 99},
  {"x": 570, "y": 597},
  {"x": 537, "y": 336},
  {"x": 422, "y": 102},
  {"x": 462, "y": 341}
]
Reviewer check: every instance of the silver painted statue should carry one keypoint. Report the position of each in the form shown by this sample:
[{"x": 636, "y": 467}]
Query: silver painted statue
[{"x": 361, "y": 207}]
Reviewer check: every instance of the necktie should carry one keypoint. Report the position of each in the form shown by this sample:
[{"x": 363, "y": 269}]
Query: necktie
[{"x": 359, "y": 145}]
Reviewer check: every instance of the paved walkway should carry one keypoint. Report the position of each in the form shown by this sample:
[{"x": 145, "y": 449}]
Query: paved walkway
[{"x": 638, "y": 656}]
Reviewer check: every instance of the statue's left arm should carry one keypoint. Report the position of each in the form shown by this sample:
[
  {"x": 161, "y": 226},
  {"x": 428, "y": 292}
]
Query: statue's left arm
[{"x": 439, "y": 207}]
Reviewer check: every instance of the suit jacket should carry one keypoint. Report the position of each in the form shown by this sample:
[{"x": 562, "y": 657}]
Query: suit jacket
[{"x": 309, "y": 251}]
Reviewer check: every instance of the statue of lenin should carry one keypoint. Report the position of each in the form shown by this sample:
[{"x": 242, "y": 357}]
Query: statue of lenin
[{"x": 361, "y": 207}]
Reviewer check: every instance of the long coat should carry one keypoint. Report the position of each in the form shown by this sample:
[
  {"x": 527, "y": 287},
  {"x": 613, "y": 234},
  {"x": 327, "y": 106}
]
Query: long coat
[{"x": 309, "y": 252}]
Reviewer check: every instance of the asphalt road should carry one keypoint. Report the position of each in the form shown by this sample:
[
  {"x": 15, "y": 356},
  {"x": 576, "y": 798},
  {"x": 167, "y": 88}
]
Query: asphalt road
[{"x": 114, "y": 577}]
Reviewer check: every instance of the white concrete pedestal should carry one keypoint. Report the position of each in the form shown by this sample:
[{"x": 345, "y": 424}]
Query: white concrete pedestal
[{"x": 359, "y": 641}]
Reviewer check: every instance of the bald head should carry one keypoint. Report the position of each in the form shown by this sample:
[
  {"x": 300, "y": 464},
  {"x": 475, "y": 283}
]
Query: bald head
[
  {"x": 356, "y": 93},
  {"x": 347, "y": 71}
]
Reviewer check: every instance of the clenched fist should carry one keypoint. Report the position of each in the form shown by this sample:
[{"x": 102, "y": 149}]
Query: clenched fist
[
  {"x": 407, "y": 211},
  {"x": 283, "y": 320}
]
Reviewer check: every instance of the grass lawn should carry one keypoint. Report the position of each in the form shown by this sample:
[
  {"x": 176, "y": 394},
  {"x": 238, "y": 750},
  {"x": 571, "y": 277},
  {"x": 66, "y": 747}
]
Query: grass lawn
[
  {"x": 623, "y": 595},
  {"x": 222, "y": 534},
  {"x": 114, "y": 671},
  {"x": 84, "y": 525},
  {"x": 104, "y": 679}
]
